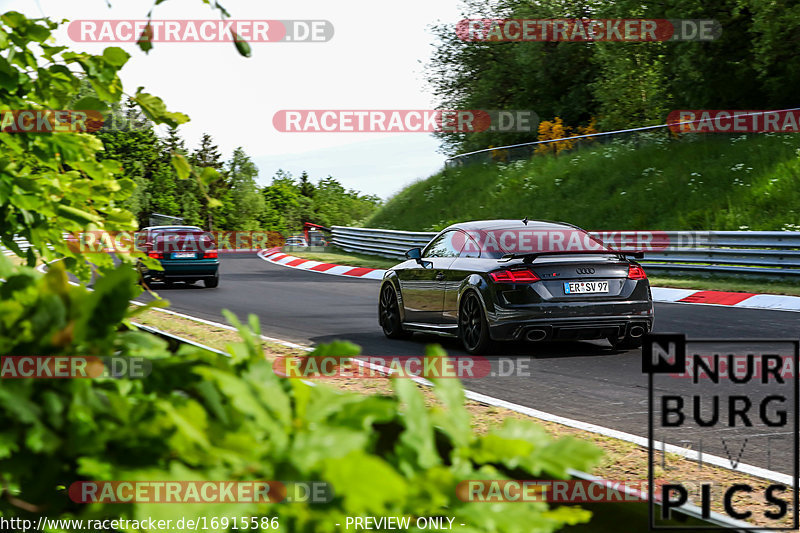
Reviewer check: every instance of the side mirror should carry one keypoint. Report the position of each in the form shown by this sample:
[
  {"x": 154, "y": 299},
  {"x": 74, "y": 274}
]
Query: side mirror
[{"x": 414, "y": 253}]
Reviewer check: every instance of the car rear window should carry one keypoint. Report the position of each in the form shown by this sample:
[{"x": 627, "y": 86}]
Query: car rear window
[
  {"x": 182, "y": 240},
  {"x": 496, "y": 243}
]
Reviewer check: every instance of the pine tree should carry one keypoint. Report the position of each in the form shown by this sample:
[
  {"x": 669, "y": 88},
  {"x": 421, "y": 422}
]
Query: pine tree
[
  {"x": 208, "y": 156},
  {"x": 306, "y": 187}
]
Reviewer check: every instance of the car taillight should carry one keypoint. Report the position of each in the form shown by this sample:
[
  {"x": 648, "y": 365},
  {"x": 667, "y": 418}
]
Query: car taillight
[
  {"x": 514, "y": 276},
  {"x": 210, "y": 255},
  {"x": 155, "y": 255},
  {"x": 636, "y": 272}
]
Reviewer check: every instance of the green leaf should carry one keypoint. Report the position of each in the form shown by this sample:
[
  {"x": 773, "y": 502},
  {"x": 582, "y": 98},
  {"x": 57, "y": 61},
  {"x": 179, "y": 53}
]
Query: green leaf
[
  {"x": 77, "y": 215},
  {"x": 416, "y": 446},
  {"x": 242, "y": 46},
  {"x": 14, "y": 19},
  {"x": 181, "y": 165},
  {"x": 9, "y": 76},
  {"x": 145, "y": 40},
  {"x": 455, "y": 418},
  {"x": 366, "y": 483},
  {"x": 309, "y": 449},
  {"x": 116, "y": 56},
  {"x": 209, "y": 175},
  {"x": 90, "y": 103},
  {"x": 155, "y": 109}
]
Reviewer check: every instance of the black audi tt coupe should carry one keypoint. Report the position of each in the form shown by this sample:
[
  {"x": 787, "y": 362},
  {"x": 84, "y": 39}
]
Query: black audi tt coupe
[{"x": 497, "y": 280}]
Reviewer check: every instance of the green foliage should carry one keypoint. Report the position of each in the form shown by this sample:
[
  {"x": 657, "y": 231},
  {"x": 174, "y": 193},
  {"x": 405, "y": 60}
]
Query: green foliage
[
  {"x": 289, "y": 203},
  {"x": 709, "y": 182},
  {"x": 246, "y": 201},
  {"x": 55, "y": 182},
  {"x": 200, "y": 416},
  {"x": 197, "y": 415},
  {"x": 752, "y": 65}
]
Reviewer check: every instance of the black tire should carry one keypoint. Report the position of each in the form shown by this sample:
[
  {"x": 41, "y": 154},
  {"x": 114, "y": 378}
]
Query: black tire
[
  {"x": 473, "y": 329},
  {"x": 211, "y": 283},
  {"x": 628, "y": 343},
  {"x": 389, "y": 314}
]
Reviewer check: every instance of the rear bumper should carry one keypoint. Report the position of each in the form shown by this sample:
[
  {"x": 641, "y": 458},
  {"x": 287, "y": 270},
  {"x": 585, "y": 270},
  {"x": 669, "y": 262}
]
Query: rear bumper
[
  {"x": 181, "y": 270},
  {"x": 605, "y": 321},
  {"x": 617, "y": 327}
]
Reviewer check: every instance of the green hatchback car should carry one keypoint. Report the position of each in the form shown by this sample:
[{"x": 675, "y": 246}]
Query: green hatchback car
[{"x": 186, "y": 253}]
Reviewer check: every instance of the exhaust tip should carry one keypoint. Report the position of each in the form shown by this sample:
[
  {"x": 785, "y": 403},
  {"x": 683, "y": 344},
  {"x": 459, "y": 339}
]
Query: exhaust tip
[
  {"x": 636, "y": 332},
  {"x": 535, "y": 335}
]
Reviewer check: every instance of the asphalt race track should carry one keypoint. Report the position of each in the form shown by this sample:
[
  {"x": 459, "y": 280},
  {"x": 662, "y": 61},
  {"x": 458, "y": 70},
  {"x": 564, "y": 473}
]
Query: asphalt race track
[{"x": 586, "y": 381}]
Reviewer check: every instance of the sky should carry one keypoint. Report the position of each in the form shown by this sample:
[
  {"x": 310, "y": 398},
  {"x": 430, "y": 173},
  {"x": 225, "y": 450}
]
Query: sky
[{"x": 375, "y": 60}]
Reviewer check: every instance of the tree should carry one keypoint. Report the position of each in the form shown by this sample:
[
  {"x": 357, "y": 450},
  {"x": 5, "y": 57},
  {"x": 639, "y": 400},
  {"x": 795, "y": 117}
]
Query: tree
[
  {"x": 753, "y": 64},
  {"x": 207, "y": 155},
  {"x": 215, "y": 192},
  {"x": 246, "y": 201},
  {"x": 174, "y": 142},
  {"x": 549, "y": 78},
  {"x": 306, "y": 187},
  {"x": 282, "y": 201}
]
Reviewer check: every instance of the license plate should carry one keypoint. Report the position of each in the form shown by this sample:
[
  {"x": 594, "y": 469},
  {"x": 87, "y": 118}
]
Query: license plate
[
  {"x": 183, "y": 255},
  {"x": 585, "y": 287}
]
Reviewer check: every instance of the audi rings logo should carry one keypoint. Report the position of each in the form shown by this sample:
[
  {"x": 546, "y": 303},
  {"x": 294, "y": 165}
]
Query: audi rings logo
[{"x": 584, "y": 270}]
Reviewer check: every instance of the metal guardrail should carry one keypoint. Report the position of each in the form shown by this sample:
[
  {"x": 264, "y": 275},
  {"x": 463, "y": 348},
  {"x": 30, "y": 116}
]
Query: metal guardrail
[
  {"x": 759, "y": 253},
  {"x": 764, "y": 253},
  {"x": 638, "y": 136},
  {"x": 383, "y": 242}
]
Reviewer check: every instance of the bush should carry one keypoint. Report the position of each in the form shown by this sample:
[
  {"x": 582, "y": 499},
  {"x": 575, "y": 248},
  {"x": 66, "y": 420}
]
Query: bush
[{"x": 200, "y": 416}]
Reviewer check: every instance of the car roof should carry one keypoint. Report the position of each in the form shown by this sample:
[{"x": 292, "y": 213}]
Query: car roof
[{"x": 485, "y": 225}]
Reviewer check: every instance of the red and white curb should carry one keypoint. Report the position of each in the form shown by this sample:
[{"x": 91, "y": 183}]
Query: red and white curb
[
  {"x": 746, "y": 300},
  {"x": 275, "y": 255}
]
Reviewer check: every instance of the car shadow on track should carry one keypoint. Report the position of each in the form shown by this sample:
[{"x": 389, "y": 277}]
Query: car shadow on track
[
  {"x": 377, "y": 345},
  {"x": 176, "y": 286}
]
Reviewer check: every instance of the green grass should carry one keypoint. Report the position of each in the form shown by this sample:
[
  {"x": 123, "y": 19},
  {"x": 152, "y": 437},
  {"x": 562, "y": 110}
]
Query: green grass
[
  {"x": 711, "y": 182},
  {"x": 340, "y": 257}
]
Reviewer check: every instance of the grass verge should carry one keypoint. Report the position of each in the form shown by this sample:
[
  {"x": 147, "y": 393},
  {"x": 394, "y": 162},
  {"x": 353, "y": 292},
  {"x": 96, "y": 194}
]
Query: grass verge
[
  {"x": 622, "y": 461},
  {"x": 698, "y": 183}
]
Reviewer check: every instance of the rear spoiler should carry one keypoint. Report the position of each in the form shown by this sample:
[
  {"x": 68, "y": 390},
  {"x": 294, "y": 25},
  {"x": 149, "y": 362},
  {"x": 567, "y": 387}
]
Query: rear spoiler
[{"x": 533, "y": 255}]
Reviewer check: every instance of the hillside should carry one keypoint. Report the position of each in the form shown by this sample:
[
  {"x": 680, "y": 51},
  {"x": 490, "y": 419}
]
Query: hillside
[{"x": 708, "y": 182}]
